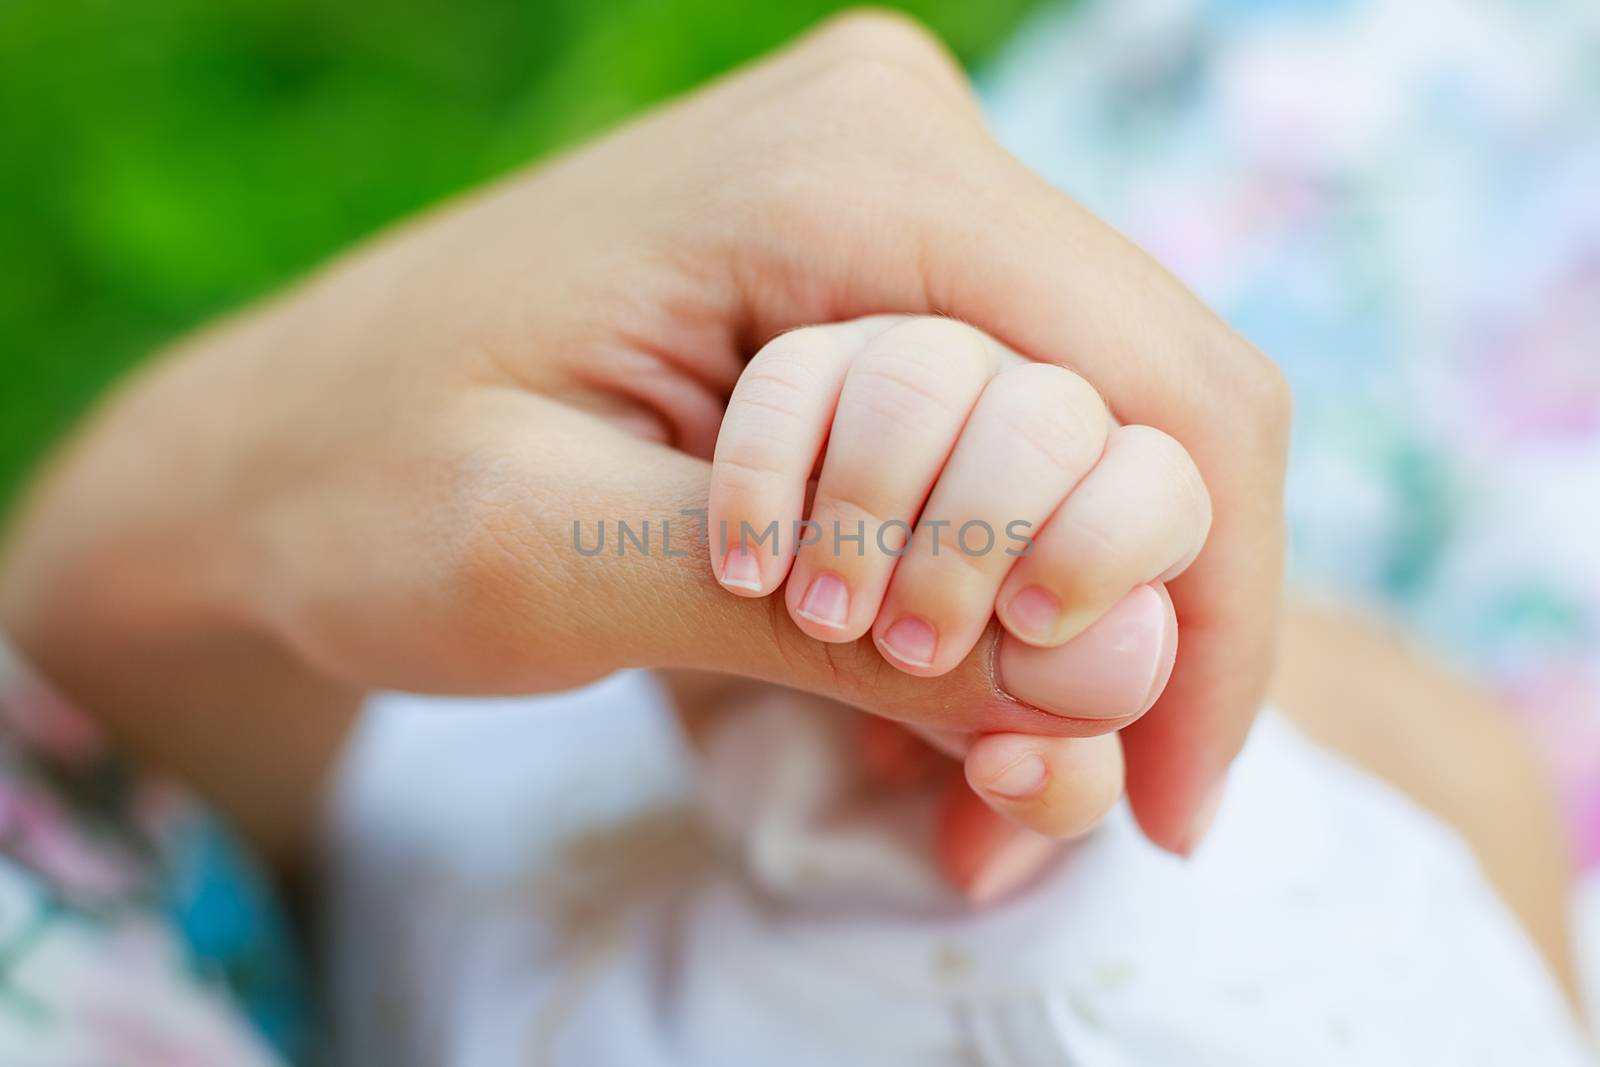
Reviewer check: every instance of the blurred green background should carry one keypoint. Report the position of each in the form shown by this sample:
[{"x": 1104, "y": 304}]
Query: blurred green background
[{"x": 164, "y": 160}]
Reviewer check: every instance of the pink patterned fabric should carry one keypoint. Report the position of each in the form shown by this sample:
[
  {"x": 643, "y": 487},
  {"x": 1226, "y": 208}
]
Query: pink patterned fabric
[{"x": 125, "y": 918}]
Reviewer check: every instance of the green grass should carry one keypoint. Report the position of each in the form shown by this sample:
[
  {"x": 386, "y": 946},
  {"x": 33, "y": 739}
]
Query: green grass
[{"x": 164, "y": 160}]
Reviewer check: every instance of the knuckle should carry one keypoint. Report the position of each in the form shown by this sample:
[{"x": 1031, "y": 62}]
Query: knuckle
[
  {"x": 960, "y": 575},
  {"x": 880, "y": 99},
  {"x": 850, "y": 505},
  {"x": 879, "y": 33},
  {"x": 1178, "y": 479},
  {"x": 1265, "y": 394},
  {"x": 870, "y": 97},
  {"x": 948, "y": 344},
  {"x": 1092, "y": 550},
  {"x": 776, "y": 385},
  {"x": 795, "y": 352},
  {"x": 1257, "y": 389},
  {"x": 1274, "y": 400},
  {"x": 764, "y": 401},
  {"x": 905, "y": 385},
  {"x": 872, "y": 61},
  {"x": 1055, "y": 412},
  {"x": 765, "y": 428},
  {"x": 748, "y": 463}
]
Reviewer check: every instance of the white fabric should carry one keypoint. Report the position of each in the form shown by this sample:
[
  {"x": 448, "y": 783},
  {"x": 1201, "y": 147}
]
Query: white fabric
[
  {"x": 537, "y": 882},
  {"x": 1586, "y": 938}
]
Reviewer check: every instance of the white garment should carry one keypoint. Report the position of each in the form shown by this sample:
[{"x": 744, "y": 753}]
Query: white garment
[{"x": 533, "y": 883}]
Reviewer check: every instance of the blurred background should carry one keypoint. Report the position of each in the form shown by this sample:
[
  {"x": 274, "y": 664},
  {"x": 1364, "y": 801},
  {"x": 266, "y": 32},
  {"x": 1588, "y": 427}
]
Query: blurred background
[{"x": 163, "y": 161}]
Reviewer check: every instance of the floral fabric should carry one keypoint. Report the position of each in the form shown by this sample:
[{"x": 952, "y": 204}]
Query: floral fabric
[
  {"x": 132, "y": 931},
  {"x": 1400, "y": 203}
]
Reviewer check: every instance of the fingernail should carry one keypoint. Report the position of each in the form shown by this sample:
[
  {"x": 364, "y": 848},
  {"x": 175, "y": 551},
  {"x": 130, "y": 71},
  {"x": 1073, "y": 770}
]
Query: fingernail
[
  {"x": 1011, "y": 867},
  {"x": 1033, "y": 614},
  {"x": 911, "y": 641},
  {"x": 1114, "y": 669},
  {"x": 1204, "y": 817},
  {"x": 741, "y": 569},
  {"x": 827, "y": 601},
  {"x": 1000, "y": 770}
]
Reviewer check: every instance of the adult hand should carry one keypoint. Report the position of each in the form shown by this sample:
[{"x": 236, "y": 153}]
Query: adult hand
[{"x": 375, "y": 478}]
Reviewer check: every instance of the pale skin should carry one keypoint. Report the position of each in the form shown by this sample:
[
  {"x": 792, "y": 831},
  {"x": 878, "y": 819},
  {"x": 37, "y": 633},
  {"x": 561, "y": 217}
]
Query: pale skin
[{"x": 371, "y": 480}]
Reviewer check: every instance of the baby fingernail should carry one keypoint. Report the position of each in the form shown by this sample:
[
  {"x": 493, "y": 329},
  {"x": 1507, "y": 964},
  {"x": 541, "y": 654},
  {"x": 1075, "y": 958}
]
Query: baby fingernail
[
  {"x": 827, "y": 601},
  {"x": 911, "y": 641},
  {"x": 1005, "y": 775},
  {"x": 741, "y": 570},
  {"x": 1033, "y": 614}
]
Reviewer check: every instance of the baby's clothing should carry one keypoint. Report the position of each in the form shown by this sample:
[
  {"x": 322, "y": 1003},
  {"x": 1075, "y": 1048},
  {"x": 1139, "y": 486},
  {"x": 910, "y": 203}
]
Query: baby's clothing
[{"x": 609, "y": 907}]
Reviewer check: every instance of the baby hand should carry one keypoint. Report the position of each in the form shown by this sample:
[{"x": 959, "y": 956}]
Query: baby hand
[
  {"x": 1027, "y": 501},
  {"x": 958, "y": 481}
]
